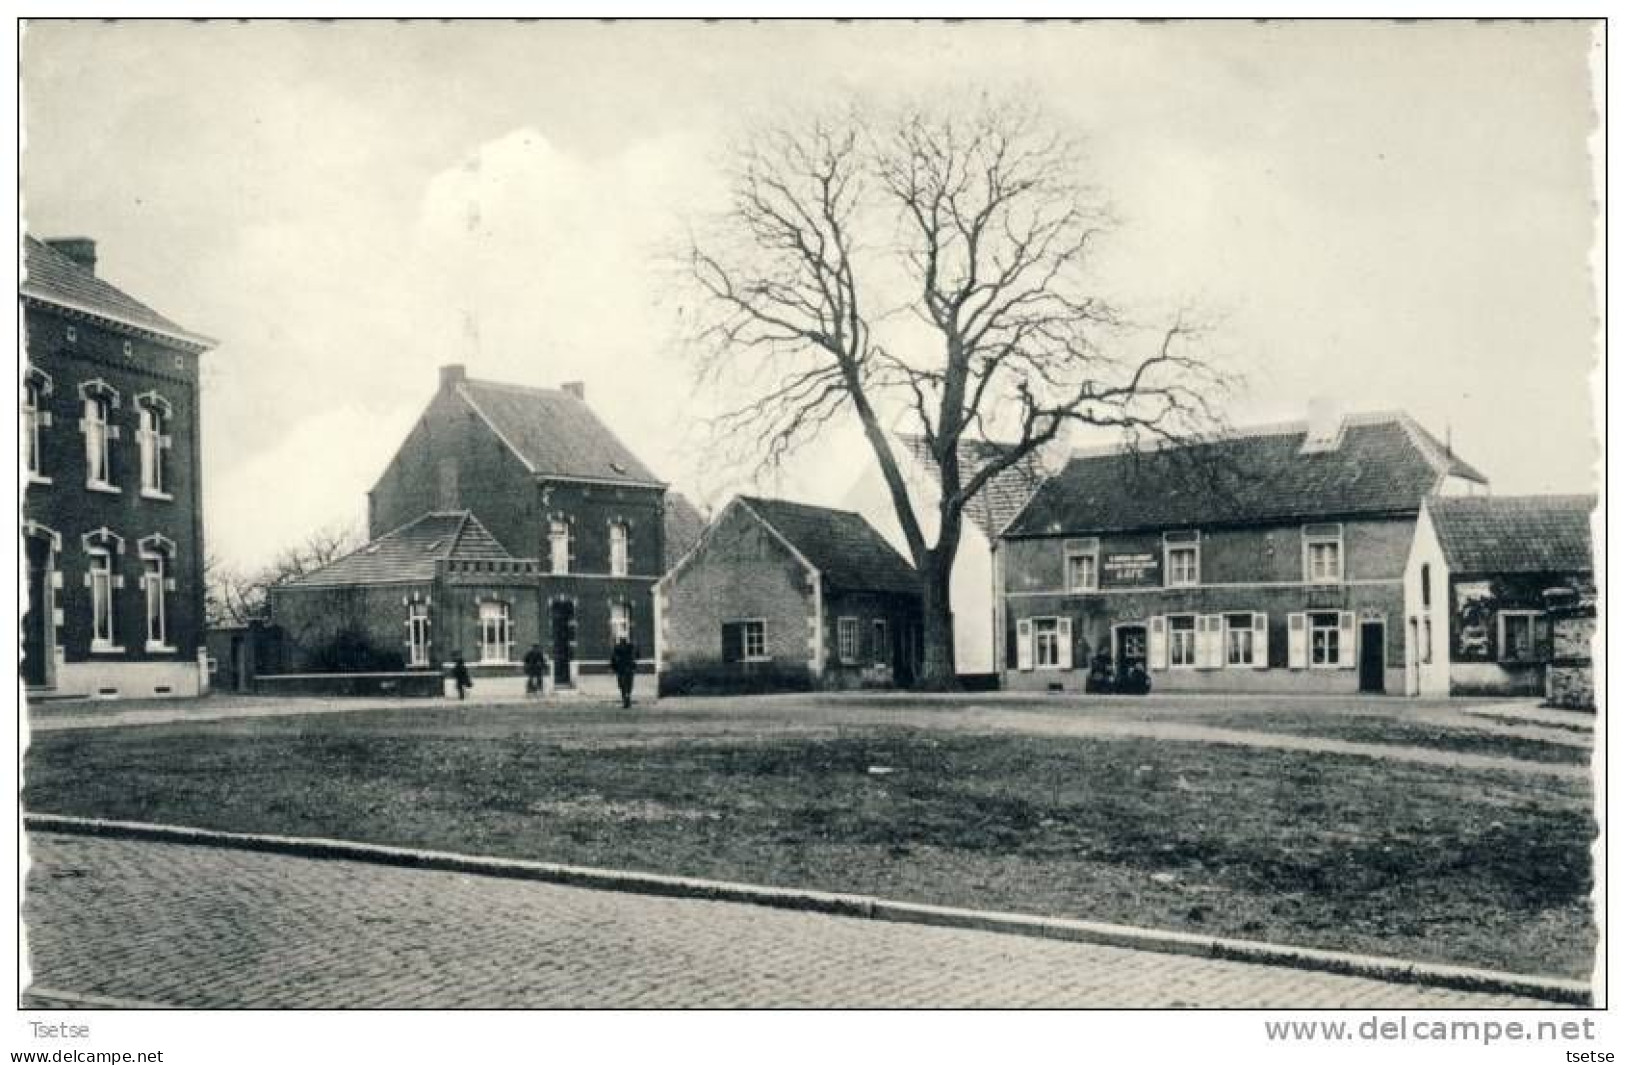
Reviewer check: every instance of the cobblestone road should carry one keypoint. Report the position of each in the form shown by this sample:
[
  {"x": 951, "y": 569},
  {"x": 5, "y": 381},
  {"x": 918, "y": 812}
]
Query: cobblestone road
[{"x": 201, "y": 927}]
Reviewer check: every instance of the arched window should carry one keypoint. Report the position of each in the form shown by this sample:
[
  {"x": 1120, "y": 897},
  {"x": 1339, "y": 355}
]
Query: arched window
[
  {"x": 157, "y": 581},
  {"x": 496, "y": 632},
  {"x": 619, "y": 538},
  {"x": 100, "y": 400},
  {"x": 103, "y": 582},
  {"x": 152, "y": 437}
]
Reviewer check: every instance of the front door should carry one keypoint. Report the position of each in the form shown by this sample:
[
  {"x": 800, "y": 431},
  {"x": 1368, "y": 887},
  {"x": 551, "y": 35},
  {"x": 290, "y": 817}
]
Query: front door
[
  {"x": 1371, "y": 656},
  {"x": 1130, "y": 648},
  {"x": 36, "y": 626},
  {"x": 564, "y": 627}
]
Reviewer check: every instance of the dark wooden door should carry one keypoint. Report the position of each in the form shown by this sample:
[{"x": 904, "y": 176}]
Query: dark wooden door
[
  {"x": 1371, "y": 656},
  {"x": 564, "y": 624},
  {"x": 36, "y": 627}
]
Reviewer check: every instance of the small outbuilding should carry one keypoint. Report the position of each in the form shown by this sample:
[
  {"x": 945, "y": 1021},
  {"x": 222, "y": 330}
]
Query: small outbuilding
[
  {"x": 1487, "y": 579},
  {"x": 785, "y": 596}
]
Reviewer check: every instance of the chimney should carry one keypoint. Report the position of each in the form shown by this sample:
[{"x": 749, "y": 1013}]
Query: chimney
[
  {"x": 577, "y": 389},
  {"x": 452, "y": 375},
  {"x": 81, "y": 250},
  {"x": 1325, "y": 425}
]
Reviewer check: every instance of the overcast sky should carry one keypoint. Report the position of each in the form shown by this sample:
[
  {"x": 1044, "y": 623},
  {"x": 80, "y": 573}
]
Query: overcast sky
[{"x": 1393, "y": 216}]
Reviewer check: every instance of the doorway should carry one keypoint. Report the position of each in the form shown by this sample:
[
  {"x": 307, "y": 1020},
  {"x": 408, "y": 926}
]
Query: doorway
[
  {"x": 1372, "y": 639},
  {"x": 563, "y": 614},
  {"x": 37, "y": 636},
  {"x": 1128, "y": 650}
]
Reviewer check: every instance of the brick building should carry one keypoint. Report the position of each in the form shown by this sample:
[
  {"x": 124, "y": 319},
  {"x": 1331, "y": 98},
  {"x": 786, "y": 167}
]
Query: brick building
[
  {"x": 1271, "y": 559},
  {"x": 800, "y": 595},
  {"x": 1482, "y": 578},
  {"x": 112, "y": 515},
  {"x": 580, "y": 523}
]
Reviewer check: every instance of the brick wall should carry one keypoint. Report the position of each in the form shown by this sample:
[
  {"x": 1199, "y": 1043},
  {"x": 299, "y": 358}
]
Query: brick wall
[
  {"x": 872, "y": 665},
  {"x": 741, "y": 571},
  {"x": 310, "y": 618}
]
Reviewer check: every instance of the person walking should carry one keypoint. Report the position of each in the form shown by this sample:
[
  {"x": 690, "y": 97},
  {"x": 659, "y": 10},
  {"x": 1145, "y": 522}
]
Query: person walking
[
  {"x": 459, "y": 675},
  {"x": 535, "y": 666},
  {"x": 624, "y": 661}
]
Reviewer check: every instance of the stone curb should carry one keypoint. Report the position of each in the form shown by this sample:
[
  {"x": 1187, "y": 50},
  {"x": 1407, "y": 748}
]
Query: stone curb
[{"x": 1393, "y": 970}]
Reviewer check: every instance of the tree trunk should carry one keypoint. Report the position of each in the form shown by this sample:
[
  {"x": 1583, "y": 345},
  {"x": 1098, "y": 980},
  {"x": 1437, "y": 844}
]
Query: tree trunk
[{"x": 937, "y": 672}]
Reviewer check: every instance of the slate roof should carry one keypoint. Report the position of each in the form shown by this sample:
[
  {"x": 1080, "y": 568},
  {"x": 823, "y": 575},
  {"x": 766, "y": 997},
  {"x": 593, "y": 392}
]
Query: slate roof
[
  {"x": 1514, "y": 534},
  {"x": 1002, "y": 497},
  {"x": 553, "y": 432},
  {"x": 683, "y": 525},
  {"x": 408, "y": 553},
  {"x": 848, "y": 551},
  {"x": 54, "y": 278},
  {"x": 1380, "y": 464}
]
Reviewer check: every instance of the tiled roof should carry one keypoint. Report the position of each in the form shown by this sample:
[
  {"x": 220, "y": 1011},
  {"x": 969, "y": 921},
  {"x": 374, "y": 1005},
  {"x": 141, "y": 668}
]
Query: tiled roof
[
  {"x": 409, "y": 553},
  {"x": 1003, "y": 496},
  {"x": 844, "y": 548},
  {"x": 554, "y": 432},
  {"x": 1380, "y": 463},
  {"x": 53, "y": 277},
  {"x": 684, "y": 524},
  {"x": 1514, "y": 534}
]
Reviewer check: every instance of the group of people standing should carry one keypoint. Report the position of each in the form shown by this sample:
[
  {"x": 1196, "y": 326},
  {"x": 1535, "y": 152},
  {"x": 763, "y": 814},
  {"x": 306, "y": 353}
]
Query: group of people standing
[{"x": 623, "y": 662}]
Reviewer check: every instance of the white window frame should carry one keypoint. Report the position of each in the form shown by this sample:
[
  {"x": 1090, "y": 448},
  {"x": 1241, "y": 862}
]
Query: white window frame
[
  {"x": 558, "y": 544},
  {"x": 1529, "y": 617},
  {"x": 36, "y": 386},
  {"x": 102, "y": 581},
  {"x": 156, "y": 585},
  {"x": 620, "y": 621},
  {"x": 620, "y": 540},
  {"x": 496, "y": 619},
  {"x": 151, "y": 422},
  {"x": 1075, "y": 550},
  {"x": 1178, "y": 544},
  {"x": 1312, "y": 540},
  {"x": 418, "y": 634},
  {"x": 1334, "y": 644},
  {"x": 100, "y": 432},
  {"x": 1046, "y": 638},
  {"x": 1175, "y": 641},
  {"x": 1250, "y": 629},
  {"x": 847, "y": 640},
  {"x": 753, "y": 630}
]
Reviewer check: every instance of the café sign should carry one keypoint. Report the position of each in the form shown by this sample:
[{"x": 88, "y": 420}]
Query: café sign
[{"x": 1129, "y": 569}]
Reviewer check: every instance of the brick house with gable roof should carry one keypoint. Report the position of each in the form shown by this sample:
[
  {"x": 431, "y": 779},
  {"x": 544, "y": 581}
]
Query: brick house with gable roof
[
  {"x": 112, "y": 506},
  {"x": 810, "y": 596},
  {"x": 1269, "y": 559}
]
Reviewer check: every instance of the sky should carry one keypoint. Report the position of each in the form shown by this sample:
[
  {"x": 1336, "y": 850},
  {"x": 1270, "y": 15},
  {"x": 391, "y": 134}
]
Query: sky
[{"x": 1391, "y": 216}]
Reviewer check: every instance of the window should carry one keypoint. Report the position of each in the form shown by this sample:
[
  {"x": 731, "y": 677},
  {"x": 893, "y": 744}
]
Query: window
[
  {"x": 1323, "y": 554},
  {"x": 1081, "y": 572},
  {"x": 1427, "y": 586},
  {"x": 1324, "y": 649},
  {"x": 744, "y": 641},
  {"x": 558, "y": 539},
  {"x": 620, "y": 622},
  {"x": 1519, "y": 636},
  {"x": 847, "y": 637},
  {"x": 1182, "y": 640},
  {"x": 417, "y": 634},
  {"x": 1427, "y": 641},
  {"x": 496, "y": 633},
  {"x": 36, "y": 386},
  {"x": 881, "y": 651},
  {"x": 154, "y": 584},
  {"x": 101, "y": 600},
  {"x": 1238, "y": 640},
  {"x": 99, "y": 434},
  {"x": 618, "y": 537},
  {"x": 152, "y": 421},
  {"x": 1181, "y": 559},
  {"x": 1047, "y": 642}
]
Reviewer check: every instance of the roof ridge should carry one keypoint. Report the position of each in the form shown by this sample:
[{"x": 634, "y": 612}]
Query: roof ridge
[{"x": 512, "y": 386}]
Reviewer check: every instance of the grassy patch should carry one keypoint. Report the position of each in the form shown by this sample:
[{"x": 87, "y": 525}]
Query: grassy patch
[
  {"x": 1401, "y": 733},
  {"x": 1477, "y": 868}
]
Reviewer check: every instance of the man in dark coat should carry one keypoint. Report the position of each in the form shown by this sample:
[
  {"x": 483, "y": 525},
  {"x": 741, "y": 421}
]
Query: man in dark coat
[
  {"x": 459, "y": 675},
  {"x": 624, "y": 661},
  {"x": 535, "y": 665}
]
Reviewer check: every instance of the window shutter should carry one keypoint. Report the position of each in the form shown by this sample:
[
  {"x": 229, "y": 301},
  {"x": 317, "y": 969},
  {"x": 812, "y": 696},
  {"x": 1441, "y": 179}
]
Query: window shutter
[
  {"x": 1297, "y": 641},
  {"x": 118, "y": 580},
  {"x": 1024, "y": 644},
  {"x": 44, "y": 419},
  {"x": 1063, "y": 637},
  {"x": 1210, "y": 650},
  {"x": 733, "y": 641},
  {"x": 1261, "y": 641},
  {"x": 1156, "y": 643},
  {"x": 1346, "y": 652}
]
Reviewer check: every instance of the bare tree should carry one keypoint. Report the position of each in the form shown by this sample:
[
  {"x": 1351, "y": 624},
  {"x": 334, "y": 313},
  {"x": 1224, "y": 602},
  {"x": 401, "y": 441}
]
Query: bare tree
[
  {"x": 235, "y": 596},
  {"x": 929, "y": 273}
]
